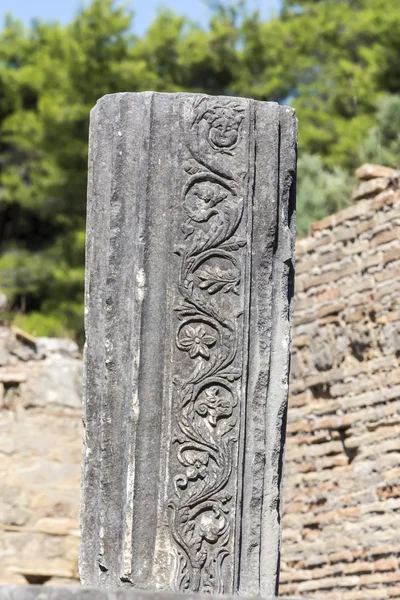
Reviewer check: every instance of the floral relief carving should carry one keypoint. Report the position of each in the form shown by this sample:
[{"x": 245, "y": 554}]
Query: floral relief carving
[
  {"x": 207, "y": 382},
  {"x": 196, "y": 341}
]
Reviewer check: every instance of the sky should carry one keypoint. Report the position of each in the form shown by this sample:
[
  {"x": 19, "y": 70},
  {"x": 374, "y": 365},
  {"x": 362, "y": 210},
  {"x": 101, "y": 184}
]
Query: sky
[{"x": 64, "y": 10}]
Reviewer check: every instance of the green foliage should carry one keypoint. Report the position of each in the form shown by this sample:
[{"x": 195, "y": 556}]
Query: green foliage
[
  {"x": 382, "y": 145},
  {"x": 321, "y": 190},
  {"x": 336, "y": 61},
  {"x": 332, "y": 59},
  {"x": 39, "y": 324}
]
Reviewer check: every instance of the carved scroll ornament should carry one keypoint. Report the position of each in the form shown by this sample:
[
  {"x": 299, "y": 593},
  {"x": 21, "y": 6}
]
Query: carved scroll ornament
[{"x": 206, "y": 393}]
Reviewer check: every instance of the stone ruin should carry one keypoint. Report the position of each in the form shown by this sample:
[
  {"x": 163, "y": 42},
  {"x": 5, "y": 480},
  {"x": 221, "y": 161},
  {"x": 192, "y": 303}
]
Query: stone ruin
[
  {"x": 189, "y": 288},
  {"x": 40, "y": 449},
  {"x": 341, "y": 428},
  {"x": 341, "y": 527},
  {"x": 342, "y": 454}
]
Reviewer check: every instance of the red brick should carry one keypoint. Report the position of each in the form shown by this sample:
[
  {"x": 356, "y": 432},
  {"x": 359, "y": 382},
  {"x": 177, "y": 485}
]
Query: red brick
[
  {"x": 372, "y": 260},
  {"x": 294, "y": 507},
  {"x": 298, "y": 400},
  {"x": 303, "y": 303},
  {"x": 324, "y": 241},
  {"x": 287, "y": 588},
  {"x": 393, "y": 474},
  {"x": 365, "y": 225},
  {"x": 352, "y": 212},
  {"x": 385, "y": 237},
  {"x": 328, "y": 320},
  {"x": 318, "y": 280},
  {"x": 301, "y": 340},
  {"x": 290, "y": 576},
  {"x": 357, "y": 247},
  {"x": 391, "y": 255},
  {"x": 386, "y": 564},
  {"x": 326, "y": 223},
  {"x": 394, "y": 592},
  {"x": 304, "y": 266},
  {"x": 388, "y": 491},
  {"x": 370, "y": 594},
  {"x": 303, "y": 318},
  {"x": 386, "y": 198},
  {"x": 358, "y": 567},
  {"x": 389, "y": 317},
  {"x": 331, "y": 309},
  {"x": 354, "y": 316},
  {"x": 329, "y": 258},
  {"x": 344, "y": 234},
  {"x": 350, "y": 512},
  {"x": 305, "y": 245},
  {"x": 384, "y": 549},
  {"x": 330, "y": 294},
  {"x": 383, "y": 578},
  {"x": 388, "y": 273},
  {"x": 331, "y": 582}
]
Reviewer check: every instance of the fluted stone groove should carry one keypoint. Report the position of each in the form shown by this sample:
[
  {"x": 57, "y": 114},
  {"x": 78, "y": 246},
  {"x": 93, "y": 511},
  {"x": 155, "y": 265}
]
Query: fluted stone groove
[{"x": 189, "y": 291}]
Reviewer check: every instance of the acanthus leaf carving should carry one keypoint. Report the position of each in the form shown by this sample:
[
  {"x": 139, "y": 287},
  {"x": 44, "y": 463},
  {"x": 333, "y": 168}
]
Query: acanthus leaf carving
[
  {"x": 215, "y": 279},
  {"x": 206, "y": 394}
]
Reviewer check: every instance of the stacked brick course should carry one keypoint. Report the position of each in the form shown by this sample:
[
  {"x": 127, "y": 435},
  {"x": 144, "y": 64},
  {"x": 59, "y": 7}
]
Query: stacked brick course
[{"x": 341, "y": 529}]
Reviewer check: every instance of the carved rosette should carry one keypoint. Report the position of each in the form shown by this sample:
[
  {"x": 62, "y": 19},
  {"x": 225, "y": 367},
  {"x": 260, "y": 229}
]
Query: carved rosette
[{"x": 207, "y": 384}]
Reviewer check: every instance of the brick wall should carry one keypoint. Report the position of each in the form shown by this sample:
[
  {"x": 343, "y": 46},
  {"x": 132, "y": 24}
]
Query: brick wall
[{"x": 341, "y": 528}]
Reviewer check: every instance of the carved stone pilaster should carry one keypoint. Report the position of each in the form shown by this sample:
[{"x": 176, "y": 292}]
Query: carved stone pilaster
[{"x": 188, "y": 300}]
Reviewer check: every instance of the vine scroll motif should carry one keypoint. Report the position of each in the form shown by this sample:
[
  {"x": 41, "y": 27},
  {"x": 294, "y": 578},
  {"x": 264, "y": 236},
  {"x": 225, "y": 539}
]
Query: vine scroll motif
[{"x": 206, "y": 394}]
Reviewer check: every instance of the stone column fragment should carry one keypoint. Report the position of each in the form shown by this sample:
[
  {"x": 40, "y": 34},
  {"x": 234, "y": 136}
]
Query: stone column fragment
[{"x": 189, "y": 284}]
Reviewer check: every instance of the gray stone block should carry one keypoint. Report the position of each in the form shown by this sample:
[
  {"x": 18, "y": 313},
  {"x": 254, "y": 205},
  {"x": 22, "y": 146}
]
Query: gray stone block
[
  {"x": 189, "y": 286},
  {"x": 38, "y": 592}
]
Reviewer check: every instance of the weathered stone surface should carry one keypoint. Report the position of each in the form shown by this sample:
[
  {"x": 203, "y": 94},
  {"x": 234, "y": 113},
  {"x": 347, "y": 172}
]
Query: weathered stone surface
[
  {"x": 40, "y": 448},
  {"x": 37, "y": 592},
  {"x": 57, "y": 382},
  {"x": 371, "y": 188},
  {"x": 57, "y": 346},
  {"x": 369, "y": 171},
  {"x": 188, "y": 301}
]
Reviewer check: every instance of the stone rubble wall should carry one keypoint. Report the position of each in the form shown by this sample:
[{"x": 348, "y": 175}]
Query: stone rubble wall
[
  {"x": 341, "y": 526},
  {"x": 40, "y": 453}
]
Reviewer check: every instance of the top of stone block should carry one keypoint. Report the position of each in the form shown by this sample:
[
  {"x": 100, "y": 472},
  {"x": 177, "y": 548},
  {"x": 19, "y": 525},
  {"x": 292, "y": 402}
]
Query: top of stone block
[
  {"x": 144, "y": 94},
  {"x": 369, "y": 171}
]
